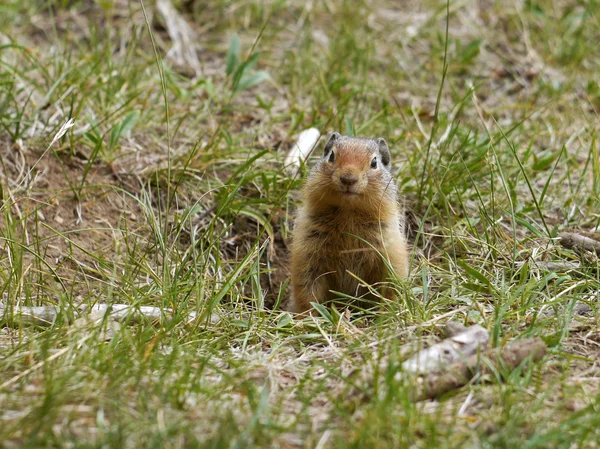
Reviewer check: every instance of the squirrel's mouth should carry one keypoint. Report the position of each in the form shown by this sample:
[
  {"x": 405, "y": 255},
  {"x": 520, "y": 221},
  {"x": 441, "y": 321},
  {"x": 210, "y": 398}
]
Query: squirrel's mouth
[{"x": 349, "y": 190}]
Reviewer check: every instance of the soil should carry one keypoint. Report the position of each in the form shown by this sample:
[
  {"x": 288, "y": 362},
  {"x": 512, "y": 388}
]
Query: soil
[{"x": 70, "y": 224}]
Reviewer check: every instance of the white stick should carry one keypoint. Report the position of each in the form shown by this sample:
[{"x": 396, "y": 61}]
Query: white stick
[
  {"x": 185, "y": 41},
  {"x": 41, "y": 316},
  {"x": 45, "y": 315},
  {"x": 579, "y": 242},
  {"x": 301, "y": 150}
]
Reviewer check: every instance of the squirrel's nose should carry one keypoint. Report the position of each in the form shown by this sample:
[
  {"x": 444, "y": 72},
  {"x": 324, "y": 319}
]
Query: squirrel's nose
[{"x": 349, "y": 179}]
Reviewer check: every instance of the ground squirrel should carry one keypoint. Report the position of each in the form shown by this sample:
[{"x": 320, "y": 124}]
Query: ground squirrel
[{"x": 349, "y": 198}]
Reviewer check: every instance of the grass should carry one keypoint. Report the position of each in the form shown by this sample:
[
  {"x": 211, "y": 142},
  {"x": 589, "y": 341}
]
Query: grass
[{"x": 168, "y": 191}]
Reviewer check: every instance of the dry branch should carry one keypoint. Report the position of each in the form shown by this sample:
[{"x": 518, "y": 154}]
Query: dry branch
[
  {"x": 40, "y": 316},
  {"x": 551, "y": 265},
  {"x": 457, "y": 375},
  {"x": 579, "y": 242},
  {"x": 183, "y": 51},
  {"x": 45, "y": 315},
  {"x": 453, "y": 349}
]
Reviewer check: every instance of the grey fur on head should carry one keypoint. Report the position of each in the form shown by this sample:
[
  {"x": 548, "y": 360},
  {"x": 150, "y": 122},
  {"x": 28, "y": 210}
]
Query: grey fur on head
[
  {"x": 384, "y": 151},
  {"x": 379, "y": 144},
  {"x": 334, "y": 136}
]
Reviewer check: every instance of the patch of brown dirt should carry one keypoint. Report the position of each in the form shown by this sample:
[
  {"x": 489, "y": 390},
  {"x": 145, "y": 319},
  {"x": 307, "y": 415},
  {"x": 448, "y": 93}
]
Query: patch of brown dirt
[{"x": 67, "y": 222}]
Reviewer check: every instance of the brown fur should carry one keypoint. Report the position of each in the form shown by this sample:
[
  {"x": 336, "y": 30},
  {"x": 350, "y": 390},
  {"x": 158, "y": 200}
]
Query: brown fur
[{"x": 325, "y": 249}]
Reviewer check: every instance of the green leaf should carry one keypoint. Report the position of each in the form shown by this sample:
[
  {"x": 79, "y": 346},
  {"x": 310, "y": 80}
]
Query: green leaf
[
  {"x": 473, "y": 272},
  {"x": 260, "y": 219},
  {"x": 529, "y": 226},
  {"x": 252, "y": 79},
  {"x": 233, "y": 54},
  {"x": 240, "y": 323},
  {"x": 477, "y": 288},
  {"x": 349, "y": 127},
  {"x": 471, "y": 51},
  {"x": 552, "y": 340},
  {"x": 284, "y": 320},
  {"x": 323, "y": 311},
  {"x": 129, "y": 122},
  {"x": 114, "y": 136},
  {"x": 121, "y": 128},
  {"x": 251, "y": 62},
  {"x": 92, "y": 137},
  {"x": 543, "y": 161}
]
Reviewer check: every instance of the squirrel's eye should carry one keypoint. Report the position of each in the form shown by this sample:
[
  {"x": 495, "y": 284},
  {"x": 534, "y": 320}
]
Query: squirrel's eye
[
  {"x": 331, "y": 156},
  {"x": 374, "y": 163}
]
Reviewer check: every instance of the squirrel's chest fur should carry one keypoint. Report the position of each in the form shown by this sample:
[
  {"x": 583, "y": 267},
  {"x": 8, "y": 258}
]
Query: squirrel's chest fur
[
  {"x": 349, "y": 231},
  {"x": 339, "y": 245}
]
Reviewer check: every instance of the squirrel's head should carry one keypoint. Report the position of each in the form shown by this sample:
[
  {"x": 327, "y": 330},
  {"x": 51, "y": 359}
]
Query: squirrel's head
[{"x": 353, "y": 169}]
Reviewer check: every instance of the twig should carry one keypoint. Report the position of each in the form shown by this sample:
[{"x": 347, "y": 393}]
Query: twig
[
  {"x": 550, "y": 266},
  {"x": 457, "y": 375},
  {"x": 40, "y": 316},
  {"x": 579, "y": 242},
  {"x": 45, "y": 315},
  {"x": 451, "y": 350},
  {"x": 183, "y": 37}
]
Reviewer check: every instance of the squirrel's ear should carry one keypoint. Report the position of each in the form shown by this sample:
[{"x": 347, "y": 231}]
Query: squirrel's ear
[
  {"x": 384, "y": 151},
  {"x": 330, "y": 142}
]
